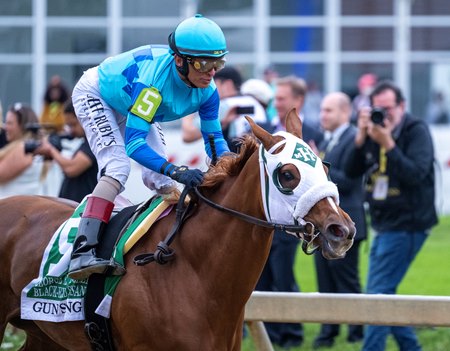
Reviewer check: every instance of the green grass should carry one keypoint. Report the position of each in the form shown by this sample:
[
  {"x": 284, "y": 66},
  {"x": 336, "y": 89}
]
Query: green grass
[{"x": 428, "y": 275}]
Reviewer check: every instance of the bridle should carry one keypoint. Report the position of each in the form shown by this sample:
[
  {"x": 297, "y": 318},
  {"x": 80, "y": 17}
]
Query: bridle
[
  {"x": 307, "y": 232},
  {"x": 164, "y": 254}
]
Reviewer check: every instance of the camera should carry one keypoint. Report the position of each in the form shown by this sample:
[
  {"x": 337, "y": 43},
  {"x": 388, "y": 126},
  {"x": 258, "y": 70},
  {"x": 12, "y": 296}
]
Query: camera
[
  {"x": 378, "y": 115},
  {"x": 245, "y": 110},
  {"x": 32, "y": 143}
]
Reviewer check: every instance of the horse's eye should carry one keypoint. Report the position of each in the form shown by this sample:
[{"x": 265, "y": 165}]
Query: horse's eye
[{"x": 286, "y": 176}]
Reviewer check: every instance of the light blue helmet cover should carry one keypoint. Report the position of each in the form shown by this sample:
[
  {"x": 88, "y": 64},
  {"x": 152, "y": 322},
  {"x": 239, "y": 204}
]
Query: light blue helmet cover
[{"x": 199, "y": 36}]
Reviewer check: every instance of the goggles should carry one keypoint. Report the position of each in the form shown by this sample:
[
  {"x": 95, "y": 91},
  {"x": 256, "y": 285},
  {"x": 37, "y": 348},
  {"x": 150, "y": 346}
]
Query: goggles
[{"x": 204, "y": 65}]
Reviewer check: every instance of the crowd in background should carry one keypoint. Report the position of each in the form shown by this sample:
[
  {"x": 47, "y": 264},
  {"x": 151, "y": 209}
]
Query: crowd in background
[
  {"x": 46, "y": 154},
  {"x": 365, "y": 170}
]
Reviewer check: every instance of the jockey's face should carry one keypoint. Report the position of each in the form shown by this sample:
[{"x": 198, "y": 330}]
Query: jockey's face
[{"x": 199, "y": 79}]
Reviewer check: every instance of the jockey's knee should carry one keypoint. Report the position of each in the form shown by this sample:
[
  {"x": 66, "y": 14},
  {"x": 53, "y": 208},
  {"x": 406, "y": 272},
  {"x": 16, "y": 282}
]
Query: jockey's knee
[{"x": 107, "y": 188}]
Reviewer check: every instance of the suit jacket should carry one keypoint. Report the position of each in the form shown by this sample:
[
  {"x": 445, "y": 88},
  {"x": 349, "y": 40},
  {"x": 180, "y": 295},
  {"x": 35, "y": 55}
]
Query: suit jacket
[
  {"x": 351, "y": 192},
  {"x": 308, "y": 131}
]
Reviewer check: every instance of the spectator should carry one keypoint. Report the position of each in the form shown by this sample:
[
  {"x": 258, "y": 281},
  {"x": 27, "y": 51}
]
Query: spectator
[
  {"x": 263, "y": 93},
  {"x": 20, "y": 172},
  {"x": 120, "y": 105},
  {"x": 437, "y": 112},
  {"x": 56, "y": 95},
  {"x": 290, "y": 92},
  {"x": 233, "y": 108},
  {"x": 190, "y": 128},
  {"x": 3, "y": 140},
  {"x": 396, "y": 156},
  {"x": 259, "y": 89},
  {"x": 342, "y": 275},
  {"x": 270, "y": 77},
  {"x": 80, "y": 171},
  {"x": 278, "y": 273},
  {"x": 311, "y": 108},
  {"x": 366, "y": 84}
]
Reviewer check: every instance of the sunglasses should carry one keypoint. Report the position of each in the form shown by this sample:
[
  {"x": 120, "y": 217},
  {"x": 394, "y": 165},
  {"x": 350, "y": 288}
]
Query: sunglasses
[{"x": 204, "y": 65}]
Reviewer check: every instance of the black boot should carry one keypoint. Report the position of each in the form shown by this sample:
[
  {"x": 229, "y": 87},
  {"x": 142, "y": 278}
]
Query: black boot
[{"x": 84, "y": 261}]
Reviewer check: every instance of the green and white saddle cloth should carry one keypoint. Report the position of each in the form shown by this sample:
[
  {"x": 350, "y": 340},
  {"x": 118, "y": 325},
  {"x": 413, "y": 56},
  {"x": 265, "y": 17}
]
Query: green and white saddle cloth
[{"x": 55, "y": 297}]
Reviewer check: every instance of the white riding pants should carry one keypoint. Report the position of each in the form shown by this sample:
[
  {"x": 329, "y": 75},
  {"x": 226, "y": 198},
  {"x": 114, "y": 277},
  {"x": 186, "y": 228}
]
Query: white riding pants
[{"x": 105, "y": 128}]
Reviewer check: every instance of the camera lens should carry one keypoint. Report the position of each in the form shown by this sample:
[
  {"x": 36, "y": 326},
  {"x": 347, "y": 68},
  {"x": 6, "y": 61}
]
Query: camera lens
[{"x": 377, "y": 115}]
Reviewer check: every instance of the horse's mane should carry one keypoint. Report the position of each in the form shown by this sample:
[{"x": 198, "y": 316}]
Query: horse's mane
[{"x": 230, "y": 166}]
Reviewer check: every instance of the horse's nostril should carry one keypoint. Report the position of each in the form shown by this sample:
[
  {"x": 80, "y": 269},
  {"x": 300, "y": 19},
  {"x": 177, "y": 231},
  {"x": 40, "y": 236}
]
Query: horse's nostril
[{"x": 338, "y": 230}]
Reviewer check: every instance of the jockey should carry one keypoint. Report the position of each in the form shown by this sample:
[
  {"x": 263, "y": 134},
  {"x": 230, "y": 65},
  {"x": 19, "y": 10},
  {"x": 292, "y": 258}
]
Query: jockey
[{"x": 121, "y": 103}]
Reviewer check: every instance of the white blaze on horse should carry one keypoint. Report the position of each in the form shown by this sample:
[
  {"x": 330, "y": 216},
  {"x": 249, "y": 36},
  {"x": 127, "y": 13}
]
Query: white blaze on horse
[{"x": 195, "y": 302}]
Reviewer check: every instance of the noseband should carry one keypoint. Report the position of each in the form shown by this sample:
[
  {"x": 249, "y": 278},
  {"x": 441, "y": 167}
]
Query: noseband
[{"x": 307, "y": 232}]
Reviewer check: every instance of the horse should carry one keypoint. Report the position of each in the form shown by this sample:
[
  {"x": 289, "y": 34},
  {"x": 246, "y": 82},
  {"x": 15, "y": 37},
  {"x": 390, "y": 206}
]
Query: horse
[{"x": 197, "y": 301}]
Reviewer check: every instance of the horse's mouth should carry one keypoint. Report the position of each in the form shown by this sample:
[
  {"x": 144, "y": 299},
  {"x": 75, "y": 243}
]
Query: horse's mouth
[{"x": 335, "y": 241}]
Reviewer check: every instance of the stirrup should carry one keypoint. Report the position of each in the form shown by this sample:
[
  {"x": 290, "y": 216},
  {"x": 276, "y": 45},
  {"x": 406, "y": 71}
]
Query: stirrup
[{"x": 98, "y": 266}]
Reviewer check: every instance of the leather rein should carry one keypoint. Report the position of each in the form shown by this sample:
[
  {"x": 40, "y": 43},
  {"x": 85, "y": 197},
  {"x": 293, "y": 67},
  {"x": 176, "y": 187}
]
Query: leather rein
[
  {"x": 307, "y": 233},
  {"x": 164, "y": 254}
]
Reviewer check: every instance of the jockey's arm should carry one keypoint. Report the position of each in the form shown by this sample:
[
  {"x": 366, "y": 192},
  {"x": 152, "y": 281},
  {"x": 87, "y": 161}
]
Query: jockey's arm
[
  {"x": 136, "y": 131},
  {"x": 210, "y": 124},
  {"x": 141, "y": 152}
]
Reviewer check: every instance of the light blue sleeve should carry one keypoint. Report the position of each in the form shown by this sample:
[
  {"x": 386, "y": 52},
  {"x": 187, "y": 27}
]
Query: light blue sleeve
[
  {"x": 136, "y": 147},
  {"x": 210, "y": 125}
]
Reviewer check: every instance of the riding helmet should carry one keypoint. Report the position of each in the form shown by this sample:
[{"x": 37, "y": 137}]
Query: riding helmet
[{"x": 198, "y": 36}]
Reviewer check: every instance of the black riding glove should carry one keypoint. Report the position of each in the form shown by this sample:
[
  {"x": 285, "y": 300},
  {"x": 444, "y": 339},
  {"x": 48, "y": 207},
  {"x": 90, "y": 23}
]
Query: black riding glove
[{"x": 184, "y": 175}]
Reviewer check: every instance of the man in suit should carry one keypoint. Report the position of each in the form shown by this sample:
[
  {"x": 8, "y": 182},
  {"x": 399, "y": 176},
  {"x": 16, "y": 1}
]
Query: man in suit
[
  {"x": 341, "y": 275},
  {"x": 290, "y": 91}
]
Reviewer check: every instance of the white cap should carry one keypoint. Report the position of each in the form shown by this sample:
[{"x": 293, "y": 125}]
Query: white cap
[{"x": 259, "y": 89}]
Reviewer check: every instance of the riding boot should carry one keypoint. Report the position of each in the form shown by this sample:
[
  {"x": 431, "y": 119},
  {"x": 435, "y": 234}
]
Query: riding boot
[{"x": 84, "y": 260}]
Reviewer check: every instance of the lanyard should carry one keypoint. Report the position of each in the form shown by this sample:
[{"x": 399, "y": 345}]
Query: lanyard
[{"x": 383, "y": 160}]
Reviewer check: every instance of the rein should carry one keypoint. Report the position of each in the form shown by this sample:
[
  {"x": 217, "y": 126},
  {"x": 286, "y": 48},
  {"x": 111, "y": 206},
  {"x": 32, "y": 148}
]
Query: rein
[
  {"x": 306, "y": 232},
  {"x": 163, "y": 254}
]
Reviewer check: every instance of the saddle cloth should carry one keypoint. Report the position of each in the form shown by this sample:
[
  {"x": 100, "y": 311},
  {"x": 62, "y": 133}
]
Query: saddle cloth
[{"x": 55, "y": 297}]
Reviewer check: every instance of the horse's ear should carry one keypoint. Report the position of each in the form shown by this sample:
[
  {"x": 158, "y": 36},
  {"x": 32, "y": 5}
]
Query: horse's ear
[
  {"x": 294, "y": 124},
  {"x": 266, "y": 138}
]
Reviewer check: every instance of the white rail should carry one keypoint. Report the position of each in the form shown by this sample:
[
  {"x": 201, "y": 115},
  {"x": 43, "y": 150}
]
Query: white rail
[{"x": 400, "y": 310}]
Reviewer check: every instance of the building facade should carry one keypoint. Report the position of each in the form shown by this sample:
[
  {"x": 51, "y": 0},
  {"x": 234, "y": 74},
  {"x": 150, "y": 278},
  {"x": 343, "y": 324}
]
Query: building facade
[{"x": 327, "y": 42}]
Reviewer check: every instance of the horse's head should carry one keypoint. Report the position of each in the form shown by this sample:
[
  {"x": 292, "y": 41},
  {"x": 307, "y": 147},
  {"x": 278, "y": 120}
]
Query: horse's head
[{"x": 296, "y": 190}]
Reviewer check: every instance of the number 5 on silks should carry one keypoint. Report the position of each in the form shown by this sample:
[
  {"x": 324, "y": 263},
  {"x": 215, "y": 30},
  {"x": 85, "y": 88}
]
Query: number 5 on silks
[{"x": 147, "y": 103}]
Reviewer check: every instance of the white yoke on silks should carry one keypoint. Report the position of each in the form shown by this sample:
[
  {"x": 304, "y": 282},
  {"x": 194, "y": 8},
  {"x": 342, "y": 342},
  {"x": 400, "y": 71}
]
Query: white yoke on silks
[{"x": 105, "y": 128}]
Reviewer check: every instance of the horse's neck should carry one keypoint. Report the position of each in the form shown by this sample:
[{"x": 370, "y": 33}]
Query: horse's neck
[{"x": 239, "y": 246}]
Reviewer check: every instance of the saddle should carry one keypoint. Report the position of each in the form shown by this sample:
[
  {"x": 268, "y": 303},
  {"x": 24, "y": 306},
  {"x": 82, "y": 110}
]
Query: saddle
[{"x": 97, "y": 327}]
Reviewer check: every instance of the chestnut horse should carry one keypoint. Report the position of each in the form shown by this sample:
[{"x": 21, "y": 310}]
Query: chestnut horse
[{"x": 195, "y": 302}]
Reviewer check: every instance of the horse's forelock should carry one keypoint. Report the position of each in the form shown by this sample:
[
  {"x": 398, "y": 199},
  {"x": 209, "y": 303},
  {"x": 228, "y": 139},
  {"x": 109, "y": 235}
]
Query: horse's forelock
[{"x": 231, "y": 166}]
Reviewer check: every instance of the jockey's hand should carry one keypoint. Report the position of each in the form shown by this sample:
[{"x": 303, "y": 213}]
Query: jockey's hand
[{"x": 184, "y": 175}]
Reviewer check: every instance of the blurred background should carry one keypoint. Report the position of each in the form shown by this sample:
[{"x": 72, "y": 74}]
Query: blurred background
[{"x": 329, "y": 43}]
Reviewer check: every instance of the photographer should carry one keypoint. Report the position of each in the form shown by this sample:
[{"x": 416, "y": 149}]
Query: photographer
[
  {"x": 80, "y": 171},
  {"x": 21, "y": 173},
  {"x": 395, "y": 153}
]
